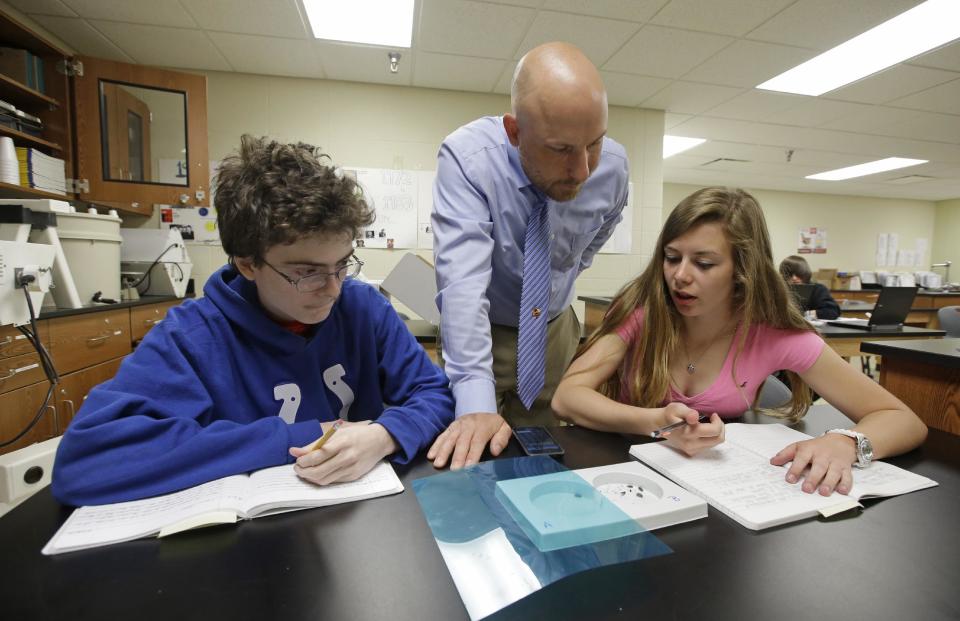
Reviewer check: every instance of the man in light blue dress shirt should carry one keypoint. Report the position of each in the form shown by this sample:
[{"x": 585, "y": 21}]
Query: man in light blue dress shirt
[{"x": 491, "y": 174}]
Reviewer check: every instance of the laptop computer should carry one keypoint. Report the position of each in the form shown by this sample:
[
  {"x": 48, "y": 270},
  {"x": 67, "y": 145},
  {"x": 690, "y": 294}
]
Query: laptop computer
[
  {"x": 803, "y": 294},
  {"x": 893, "y": 306}
]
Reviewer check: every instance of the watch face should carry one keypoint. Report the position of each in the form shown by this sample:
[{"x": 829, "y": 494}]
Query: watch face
[{"x": 865, "y": 448}]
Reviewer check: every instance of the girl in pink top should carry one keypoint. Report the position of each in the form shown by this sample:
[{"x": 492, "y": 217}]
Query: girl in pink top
[{"x": 700, "y": 330}]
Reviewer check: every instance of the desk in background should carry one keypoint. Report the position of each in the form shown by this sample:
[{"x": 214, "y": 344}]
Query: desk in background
[
  {"x": 377, "y": 559},
  {"x": 925, "y": 375},
  {"x": 922, "y": 314},
  {"x": 845, "y": 341}
]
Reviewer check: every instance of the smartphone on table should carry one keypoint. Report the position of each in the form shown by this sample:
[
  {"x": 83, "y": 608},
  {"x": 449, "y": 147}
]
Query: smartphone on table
[{"x": 537, "y": 441}]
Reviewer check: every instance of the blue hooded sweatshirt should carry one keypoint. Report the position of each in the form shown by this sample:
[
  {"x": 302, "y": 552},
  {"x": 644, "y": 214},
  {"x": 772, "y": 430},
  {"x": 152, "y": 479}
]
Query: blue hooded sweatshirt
[{"x": 218, "y": 388}]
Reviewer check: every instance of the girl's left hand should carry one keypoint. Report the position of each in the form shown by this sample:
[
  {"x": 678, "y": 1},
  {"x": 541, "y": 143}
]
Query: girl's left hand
[{"x": 824, "y": 463}]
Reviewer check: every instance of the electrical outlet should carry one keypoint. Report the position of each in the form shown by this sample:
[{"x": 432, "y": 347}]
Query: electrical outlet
[{"x": 26, "y": 471}]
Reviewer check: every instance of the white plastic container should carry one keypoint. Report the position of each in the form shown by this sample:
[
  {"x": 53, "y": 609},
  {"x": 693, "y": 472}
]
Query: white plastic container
[{"x": 91, "y": 243}]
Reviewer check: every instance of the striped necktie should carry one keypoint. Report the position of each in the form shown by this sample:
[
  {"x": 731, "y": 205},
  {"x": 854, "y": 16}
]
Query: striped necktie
[{"x": 534, "y": 300}]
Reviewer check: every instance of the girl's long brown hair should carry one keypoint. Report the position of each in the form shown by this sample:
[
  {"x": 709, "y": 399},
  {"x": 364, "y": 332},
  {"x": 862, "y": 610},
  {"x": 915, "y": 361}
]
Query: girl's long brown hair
[{"x": 760, "y": 296}]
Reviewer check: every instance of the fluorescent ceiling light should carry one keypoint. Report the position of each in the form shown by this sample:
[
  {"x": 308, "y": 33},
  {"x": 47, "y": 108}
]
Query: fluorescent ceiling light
[
  {"x": 922, "y": 28},
  {"x": 379, "y": 22},
  {"x": 869, "y": 168},
  {"x": 678, "y": 144}
]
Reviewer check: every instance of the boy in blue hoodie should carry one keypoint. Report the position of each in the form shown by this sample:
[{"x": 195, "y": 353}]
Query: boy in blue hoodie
[{"x": 283, "y": 343}]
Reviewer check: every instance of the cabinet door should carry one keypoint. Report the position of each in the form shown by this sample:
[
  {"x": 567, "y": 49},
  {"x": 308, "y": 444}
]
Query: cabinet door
[
  {"x": 142, "y": 318},
  {"x": 79, "y": 341},
  {"x": 18, "y": 408},
  {"x": 74, "y": 387},
  {"x": 141, "y": 136}
]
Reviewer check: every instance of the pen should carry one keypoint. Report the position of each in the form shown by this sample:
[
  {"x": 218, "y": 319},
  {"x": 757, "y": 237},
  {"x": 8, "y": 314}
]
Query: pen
[
  {"x": 326, "y": 436},
  {"x": 657, "y": 433}
]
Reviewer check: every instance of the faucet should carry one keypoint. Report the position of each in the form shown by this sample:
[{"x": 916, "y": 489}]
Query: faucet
[{"x": 946, "y": 271}]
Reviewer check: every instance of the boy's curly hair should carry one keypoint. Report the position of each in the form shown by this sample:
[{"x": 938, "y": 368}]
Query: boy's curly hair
[{"x": 273, "y": 193}]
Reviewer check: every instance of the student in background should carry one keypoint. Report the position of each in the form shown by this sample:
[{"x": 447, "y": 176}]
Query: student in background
[
  {"x": 796, "y": 271},
  {"x": 283, "y": 343},
  {"x": 522, "y": 203},
  {"x": 700, "y": 330}
]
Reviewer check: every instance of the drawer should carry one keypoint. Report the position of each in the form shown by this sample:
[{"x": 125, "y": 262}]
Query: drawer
[
  {"x": 20, "y": 371},
  {"x": 14, "y": 343},
  {"x": 19, "y": 407},
  {"x": 83, "y": 340},
  {"x": 142, "y": 318}
]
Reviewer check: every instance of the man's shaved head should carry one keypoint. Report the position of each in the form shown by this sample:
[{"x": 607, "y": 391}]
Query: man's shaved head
[
  {"x": 555, "y": 72},
  {"x": 558, "y": 119}
]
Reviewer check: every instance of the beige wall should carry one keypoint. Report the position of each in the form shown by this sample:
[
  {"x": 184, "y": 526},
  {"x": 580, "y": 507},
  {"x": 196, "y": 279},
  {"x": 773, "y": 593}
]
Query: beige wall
[
  {"x": 402, "y": 127},
  {"x": 852, "y": 223},
  {"x": 946, "y": 237}
]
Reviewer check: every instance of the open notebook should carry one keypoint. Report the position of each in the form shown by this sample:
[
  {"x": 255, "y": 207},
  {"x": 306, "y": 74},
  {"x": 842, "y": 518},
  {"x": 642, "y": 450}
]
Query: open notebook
[
  {"x": 223, "y": 501},
  {"x": 736, "y": 477}
]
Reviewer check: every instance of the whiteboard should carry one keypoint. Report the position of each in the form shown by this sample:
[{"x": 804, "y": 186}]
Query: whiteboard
[{"x": 394, "y": 197}]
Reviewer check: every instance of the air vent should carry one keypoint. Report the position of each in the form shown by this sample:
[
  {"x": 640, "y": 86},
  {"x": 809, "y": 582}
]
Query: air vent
[
  {"x": 725, "y": 160},
  {"x": 909, "y": 179}
]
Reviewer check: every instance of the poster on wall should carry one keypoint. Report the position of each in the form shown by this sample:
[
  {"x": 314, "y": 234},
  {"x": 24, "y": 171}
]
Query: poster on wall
[{"x": 813, "y": 240}]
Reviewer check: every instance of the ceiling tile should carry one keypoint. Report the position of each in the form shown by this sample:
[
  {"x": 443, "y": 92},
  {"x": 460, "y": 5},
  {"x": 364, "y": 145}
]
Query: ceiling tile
[
  {"x": 729, "y": 17},
  {"x": 690, "y": 98},
  {"x": 816, "y": 111},
  {"x": 82, "y": 37},
  {"x": 456, "y": 72},
  {"x": 277, "y": 18},
  {"x": 672, "y": 119},
  {"x": 471, "y": 28},
  {"x": 164, "y": 47},
  {"x": 269, "y": 55},
  {"x": 43, "y": 7},
  {"x": 945, "y": 57},
  {"x": 155, "y": 12},
  {"x": 943, "y": 98},
  {"x": 823, "y": 24},
  {"x": 625, "y": 89},
  {"x": 597, "y": 37},
  {"x": 631, "y": 10},
  {"x": 363, "y": 63},
  {"x": 754, "y": 105},
  {"x": 665, "y": 52},
  {"x": 748, "y": 63},
  {"x": 893, "y": 83},
  {"x": 928, "y": 126},
  {"x": 870, "y": 119},
  {"x": 506, "y": 78},
  {"x": 533, "y": 4}
]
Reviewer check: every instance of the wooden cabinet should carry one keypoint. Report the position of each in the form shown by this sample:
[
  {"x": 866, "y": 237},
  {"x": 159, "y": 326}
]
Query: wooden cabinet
[
  {"x": 53, "y": 106},
  {"x": 83, "y": 340},
  {"x": 142, "y": 318},
  {"x": 131, "y": 136},
  {"x": 86, "y": 348},
  {"x": 74, "y": 388}
]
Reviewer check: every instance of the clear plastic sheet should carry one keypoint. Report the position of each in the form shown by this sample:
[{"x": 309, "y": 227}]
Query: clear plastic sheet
[{"x": 492, "y": 561}]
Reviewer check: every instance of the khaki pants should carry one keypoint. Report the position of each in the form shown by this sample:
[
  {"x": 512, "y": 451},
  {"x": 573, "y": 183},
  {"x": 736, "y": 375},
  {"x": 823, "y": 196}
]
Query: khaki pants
[{"x": 563, "y": 337}]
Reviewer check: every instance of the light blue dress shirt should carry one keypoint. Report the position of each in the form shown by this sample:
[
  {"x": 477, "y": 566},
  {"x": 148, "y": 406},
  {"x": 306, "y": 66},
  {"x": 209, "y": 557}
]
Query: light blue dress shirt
[{"x": 481, "y": 202}]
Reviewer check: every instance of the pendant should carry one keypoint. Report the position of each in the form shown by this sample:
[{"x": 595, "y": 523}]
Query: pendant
[{"x": 691, "y": 368}]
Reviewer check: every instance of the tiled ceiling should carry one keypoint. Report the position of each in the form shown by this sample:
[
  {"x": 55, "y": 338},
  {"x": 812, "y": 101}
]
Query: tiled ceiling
[{"x": 697, "y": 59}]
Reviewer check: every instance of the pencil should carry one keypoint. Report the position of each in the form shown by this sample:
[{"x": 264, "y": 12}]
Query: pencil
[
  {"x": 326, "y": 436},
  {"x": 656, "y": 433}
]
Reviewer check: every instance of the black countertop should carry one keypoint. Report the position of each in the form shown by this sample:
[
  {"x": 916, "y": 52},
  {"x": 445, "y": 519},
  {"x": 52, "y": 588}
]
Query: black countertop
[
  {"x": 53, "y": 313},
  {"x": 940, "y": 352}
]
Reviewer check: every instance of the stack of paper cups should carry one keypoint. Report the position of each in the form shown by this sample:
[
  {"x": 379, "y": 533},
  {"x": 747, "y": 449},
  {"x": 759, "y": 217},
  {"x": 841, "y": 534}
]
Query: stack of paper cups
[{"x": 9, "y": 166}]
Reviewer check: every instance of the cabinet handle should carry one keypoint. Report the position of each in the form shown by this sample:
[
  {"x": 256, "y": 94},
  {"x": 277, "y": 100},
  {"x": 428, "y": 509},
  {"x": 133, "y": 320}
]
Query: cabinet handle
[
  {"x": 73, "y": 408},
  {"x": 151, "y": 322},
  {"x": 56, "y": 420},
  {"x": 11, "y": 373},
  {"x": 6, "y": 340},
  {"x": 98, "y": 339}
]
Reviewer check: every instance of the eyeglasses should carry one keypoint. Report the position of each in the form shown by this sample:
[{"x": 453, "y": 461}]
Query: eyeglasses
[{"x": 315, "y": 282}]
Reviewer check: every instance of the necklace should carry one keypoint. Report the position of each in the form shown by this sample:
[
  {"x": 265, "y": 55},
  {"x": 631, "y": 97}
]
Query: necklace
[{"x": 692, "y": 364}]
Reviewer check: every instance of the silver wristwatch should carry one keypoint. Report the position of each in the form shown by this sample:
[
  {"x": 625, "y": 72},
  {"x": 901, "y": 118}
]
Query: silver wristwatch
[{"x": 864, "y": 447}]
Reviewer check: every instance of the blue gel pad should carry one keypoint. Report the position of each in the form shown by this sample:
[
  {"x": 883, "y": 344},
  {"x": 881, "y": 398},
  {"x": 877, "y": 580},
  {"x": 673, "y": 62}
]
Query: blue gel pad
[{"x": 561, "y": 510}]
